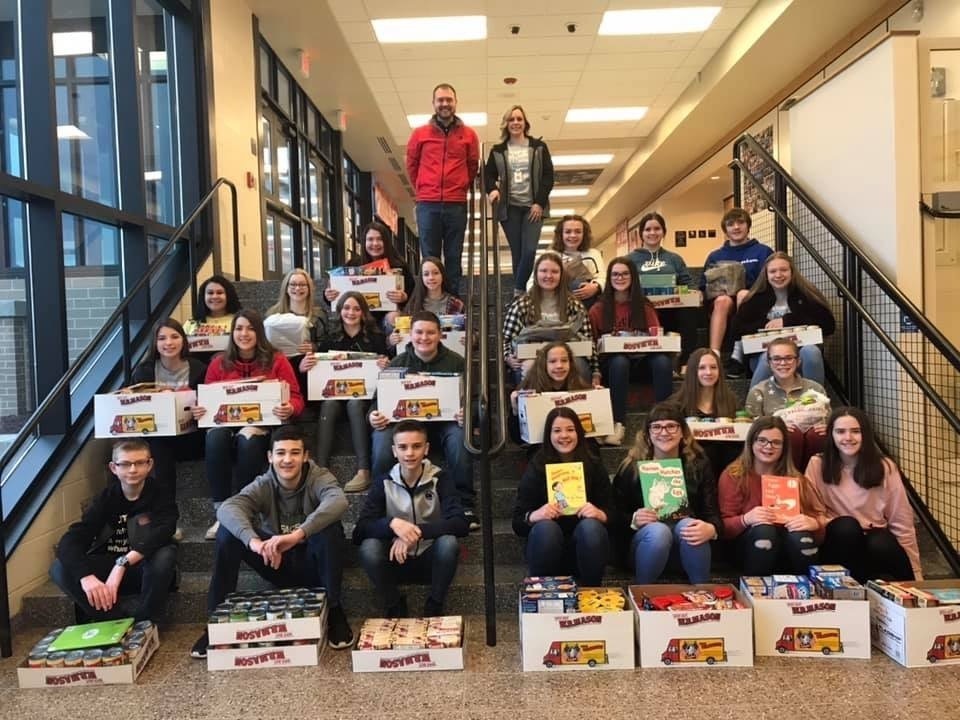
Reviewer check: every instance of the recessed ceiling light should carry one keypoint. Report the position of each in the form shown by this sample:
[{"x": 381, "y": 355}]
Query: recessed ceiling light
[
  {"x": 455, "y": 28},
  {"x": 71, "y": 132},
  {"x": 608, "y": 114},
  {"x": 72, "y": 43},
  {"x": 570, "y": 192},
  {"x": 663, "y": 21},
  {"x": 560, "y": 212},
  {"x": 598, "y": 159},
  {"x": 714, "y": 177},
  {"x": 472, "y": 119}
]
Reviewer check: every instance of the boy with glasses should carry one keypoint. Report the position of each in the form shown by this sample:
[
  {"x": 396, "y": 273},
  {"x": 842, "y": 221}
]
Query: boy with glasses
[{"x": 122, "y": 545}]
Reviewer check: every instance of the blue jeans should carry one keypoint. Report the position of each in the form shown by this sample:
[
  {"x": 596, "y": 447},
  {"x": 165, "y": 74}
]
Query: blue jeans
[
  {"x": 549, "y": 551},
  {"x": 769, "y": 549},
  {"x": 616, "y": 370},
  {"x": 652, "y": 546},
  {"x": 438, "y": 564},
  {"x": 442, "y": 226},
  {"x": 221, "y": 466},
  {"x": 330, "y": 413},
  {"x": 151, "y": 578},
  {"x": 523, "y": 236},
  {"x": 317, "y": 562},
  {"x": 811, "y": 366},
  {"x": 445, "y": 435}
]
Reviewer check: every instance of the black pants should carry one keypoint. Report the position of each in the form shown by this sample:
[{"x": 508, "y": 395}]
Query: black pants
[
  {"x": 769, "y": 549},
  {"x": 867, "y": 554},
  {"x": 683, "y": 321}
]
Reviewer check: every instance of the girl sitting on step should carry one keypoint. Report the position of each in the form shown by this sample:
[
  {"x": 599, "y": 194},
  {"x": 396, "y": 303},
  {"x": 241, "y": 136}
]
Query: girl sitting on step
[
  {"x": 216, "y": 303},
  {"x": 431, "y": 292}
]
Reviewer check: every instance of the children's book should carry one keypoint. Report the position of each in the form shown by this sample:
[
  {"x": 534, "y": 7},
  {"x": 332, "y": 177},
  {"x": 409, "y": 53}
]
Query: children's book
[
  {"x": 782, "y": 495},
  {"x": 566, "y": 486},
  {"x": 664, "y": 487}
]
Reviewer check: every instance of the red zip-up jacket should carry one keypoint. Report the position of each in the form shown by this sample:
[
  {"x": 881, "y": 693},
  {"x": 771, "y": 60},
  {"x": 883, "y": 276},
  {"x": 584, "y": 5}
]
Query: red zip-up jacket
[
  {"x": 441, "y": 165},
  {"x": 280, "y": 370}
]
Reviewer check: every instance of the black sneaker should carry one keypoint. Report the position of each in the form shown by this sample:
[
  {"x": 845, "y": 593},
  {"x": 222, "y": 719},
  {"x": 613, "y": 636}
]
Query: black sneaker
[
  {"x": 734, "y": 369},
  {"x": 339, "y": 634},
  {"x": 473, "y": 522},
  {"x": 431, "y": 608},
  {"x": 199, "y": 649},
  {"x": 399, "y": 609}
]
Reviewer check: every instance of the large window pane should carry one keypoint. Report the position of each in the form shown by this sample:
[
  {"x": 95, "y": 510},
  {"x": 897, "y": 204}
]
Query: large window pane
[
  {"x": 283, "y": 173},
  {"x": 266, "y": 145},
  {"x": 286, "y": 246},
  {"x": 10, "y": 158},
  {"x": 16, "y": 366},
  {"x": 271, "y": 240}
]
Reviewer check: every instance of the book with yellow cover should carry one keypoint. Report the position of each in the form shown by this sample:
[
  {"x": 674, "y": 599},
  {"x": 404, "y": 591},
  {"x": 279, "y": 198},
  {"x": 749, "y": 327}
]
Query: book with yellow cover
[{"x": 566, "y": 486}]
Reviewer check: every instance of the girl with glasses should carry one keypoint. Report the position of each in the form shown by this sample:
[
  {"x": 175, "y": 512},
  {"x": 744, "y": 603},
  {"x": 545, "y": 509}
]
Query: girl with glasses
[
  {"x": 870, "y": 525},
  {"x": 782, "y": 297},
  {"x": 653, "y": 541},
  {"x": 761, "y": 546},
  {"x": 624, "y": 308},
  {"x": 301, "y": 318},
  {"x": 786, "y": 388}
]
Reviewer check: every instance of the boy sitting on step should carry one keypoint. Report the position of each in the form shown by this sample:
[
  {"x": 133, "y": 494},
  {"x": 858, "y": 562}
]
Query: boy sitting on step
[{"x": 409, "y": 524}]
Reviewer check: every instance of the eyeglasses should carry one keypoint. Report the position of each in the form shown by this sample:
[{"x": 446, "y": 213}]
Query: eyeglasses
[
  {"x": 764, "y": 442},
  {"x": 128, "y": 464},
  {"x": 782, "y": 359},
  {"x": 297, "y": 285},
  {"x": 620, "y": 275},
  {"x": 668, "y": 427}
]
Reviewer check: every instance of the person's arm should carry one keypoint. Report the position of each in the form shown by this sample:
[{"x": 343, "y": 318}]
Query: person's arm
[
  {"x": 145, "y": 372},
  {"x": 373, "y": 522},
  {"x": 730, "y": 502},
  {"x": 586, "y": 333},
  {"x": 707, "y": 264},
  {"x": 596, "y": 319},
  {"x": 809, "y": 311},
  {"x": 683, "y": 273},
  {"x": 282, "y": 370},
  {"x": 73, "y": 546},
  {"x": 650, "y": 315},
  {"x": 623, "y": 498},
  {"x": 599, "y": 492},
  {"x": 708, "y": 507},
  {"x": 413, "y": 158},
  {"x": 157, "y": 523},
  {"x": 751, "y": 316},
  {"x": 330, "y": 508},
  {"x": 600, "y": 276},
  {"x": 198, "y": 370},
  {"x": 513, "y": 322},
  {"x": 215, "y": 372},
  {"x": 546, "y": 179},
  {"x": 531, "y": 495},
  {"x": 452, "y": 521},
  {"x": 900, "y": 518},
  {"x": 473, "y": 155},
  {"x": 237, "y": 513},
  {"x": 754, "y": 404},
  {"x": 490, "y": 174}
]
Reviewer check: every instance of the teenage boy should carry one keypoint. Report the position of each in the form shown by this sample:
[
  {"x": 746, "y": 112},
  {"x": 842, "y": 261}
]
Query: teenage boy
[
  {"x": 123, "y": 544},
  {"x": 737, "y": 247},
  {"x": 425, "y": 354},
  {"x": 285, "y": 525},
  {"x": 409, "y": 525}
]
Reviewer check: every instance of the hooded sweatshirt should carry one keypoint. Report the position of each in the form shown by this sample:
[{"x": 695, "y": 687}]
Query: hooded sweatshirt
[
  {"x": 751, "y": 254},
  {"x": 660, "y": 262}
]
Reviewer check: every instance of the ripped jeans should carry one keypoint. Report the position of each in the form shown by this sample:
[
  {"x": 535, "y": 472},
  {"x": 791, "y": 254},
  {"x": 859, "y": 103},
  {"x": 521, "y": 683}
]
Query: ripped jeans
[{"x": 769, "y": 549}]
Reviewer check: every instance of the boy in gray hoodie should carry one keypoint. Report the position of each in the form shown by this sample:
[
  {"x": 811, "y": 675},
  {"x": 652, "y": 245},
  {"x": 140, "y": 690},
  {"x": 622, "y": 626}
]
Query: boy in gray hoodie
[{"x": 286, "y": 526}]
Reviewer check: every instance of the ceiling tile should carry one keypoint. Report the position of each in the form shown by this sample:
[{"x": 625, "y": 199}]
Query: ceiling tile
[
  {"x": 635, "y": 60},
  {"x": 358, "y": 32},
  {"x": 646, "y": 43},
  {"x": 374, "y": 69},
  {"x": 422, "y": 8},
  {"x": 435, "y": 51},
  {"x": 729, "y": 18},
  {"x": 572, "y": 45},
  {"x": 428, "y": 68},
  {"x": 367, "y": 52},
  {"x": 552, "y": 25},
  {"x": 347, "y": 10},
  {"x": 516, "y": 65}
]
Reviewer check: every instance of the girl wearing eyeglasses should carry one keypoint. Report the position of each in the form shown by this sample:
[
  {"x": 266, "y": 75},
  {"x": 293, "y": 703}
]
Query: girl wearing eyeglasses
[
  {"x": 687, "y": 537},
  {"x": 559, "y": 543},
  {"x": 785, "y": 388},
  {"x": 624, "y": 308},
  {"x": 870, "y": 525},
  {"x": 763, "y": 547},
  {"x": 294, "y": 323},
  {"x": 782, "y": 297}
]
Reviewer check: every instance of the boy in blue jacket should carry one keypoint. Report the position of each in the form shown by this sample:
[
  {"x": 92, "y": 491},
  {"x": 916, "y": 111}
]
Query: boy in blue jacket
[
  {"x": 409, "y": 525},
  {"x": 738, "y": 247}
]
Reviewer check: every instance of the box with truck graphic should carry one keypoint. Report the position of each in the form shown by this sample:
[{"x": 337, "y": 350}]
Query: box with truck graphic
[
  {"x": 144, "y": 410},
  {"x": 916, "y": 636},
  {"x": 422, "y": 397},
  {"x": 694, "y": 650},
  {"x": 241, "y": 402},
  {"x": 592, "y": 407},
  {"x": 345, "y": 379},
  {"x": 576, "y": 652},
  {"x": 374, "y": 288}
]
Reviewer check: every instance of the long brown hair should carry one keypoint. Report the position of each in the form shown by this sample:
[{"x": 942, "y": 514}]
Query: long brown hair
[
  {"x": 558, "y": 246},
  {"x": 419, "y": 294},
  {"x": 798, "y": 283},
  {"x": 368, "y": 323},
  {"x": 638, "y": 300},
  {"x": 642, "y": 448},
  {"x": 539, "y": 379},
  {"x": 871, "y": 462},
  {"x": 153, "y": 355},
  {"x": 536, "y": 293},
  {"x": 688, "y": 396},
  {"x": 262, "y": 354},
  {"x": 282, "y": 305}
]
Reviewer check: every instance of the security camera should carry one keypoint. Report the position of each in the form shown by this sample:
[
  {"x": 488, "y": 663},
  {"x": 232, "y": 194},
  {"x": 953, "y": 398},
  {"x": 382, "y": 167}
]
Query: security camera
[
  {"x": 571, "y": 27},
  {"x": 514, "y": 29}
]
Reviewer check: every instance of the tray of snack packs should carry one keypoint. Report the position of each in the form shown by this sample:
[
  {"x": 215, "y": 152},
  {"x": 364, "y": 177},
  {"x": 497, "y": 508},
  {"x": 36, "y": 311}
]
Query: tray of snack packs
[
  {"x": 269, "y": 628},
  {"x": 823, "y": 614},
  {"x": 692, "y": 626},
  {"x": 566, "y": 627},
  {"x": 916, "y": 623},
  {"x": 108, "y": 653},
  {"x": 399, "y": 645}
]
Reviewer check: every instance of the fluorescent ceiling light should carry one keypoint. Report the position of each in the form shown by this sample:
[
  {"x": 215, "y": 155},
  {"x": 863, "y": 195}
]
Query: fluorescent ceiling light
[
  {"x": 71, "y": 132},
  {"x": 665, "y": 21},
  {"x": 72, "y": 43},
  {"x": 599, "y": 159},
  {"x": 570, "y": 192},
  {"x": 153, "y": 175},
  {"x": 560, "y": 212},
  {"x": 608, "y": 114},
  {"x": 472, "y": 119},
  {"x": 430, "y": 29}
]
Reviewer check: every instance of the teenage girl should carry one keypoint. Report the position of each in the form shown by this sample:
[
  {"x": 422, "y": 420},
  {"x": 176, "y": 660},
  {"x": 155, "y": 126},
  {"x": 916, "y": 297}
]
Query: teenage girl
[
  {"x": 431, "y": 292},
  {"x": 217, "y": 302},
  {"x": 572, "y": 239}
]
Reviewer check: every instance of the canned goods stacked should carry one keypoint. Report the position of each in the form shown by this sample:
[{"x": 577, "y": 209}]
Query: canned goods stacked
[
  {"x": 130, "y": 646},
  {"x": 281, "y": 604}
]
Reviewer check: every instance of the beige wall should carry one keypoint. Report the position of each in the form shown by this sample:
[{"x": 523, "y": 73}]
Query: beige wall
[{"x": 27, "y": 567}]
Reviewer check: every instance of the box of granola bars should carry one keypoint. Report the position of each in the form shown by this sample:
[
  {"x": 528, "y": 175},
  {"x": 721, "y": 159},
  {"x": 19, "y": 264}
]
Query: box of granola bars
[{"x": 388, "y": 645}]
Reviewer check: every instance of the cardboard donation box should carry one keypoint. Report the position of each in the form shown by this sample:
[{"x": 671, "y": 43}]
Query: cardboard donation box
[
  {"x": 692, "y": 626},
  {"x": 144, "y": 409},
  {"x": 374, "y": 288},
  {"x": 241, "y": 402},
  {"x": 275, "y": 628},
  {"x": 574, "y": 629},
  {"x": 592, "y": 406},
  {"x": 342, "y": 378},
  {"x": 720, "y": 429},
  {"x": 455, "y": 340},
  {"x": 800, "y": 334},
  {"x": 431, "y": 398},
  {"x": 118, "y": 663},
  {"x": 387, "y": 645},
  {"x": 679, "y": 297},
  {"x": 916, "y": 623},
  {"x": 638, "y": 344},
  {"x": 580, "y": 348},
  {"x": 810, "y": 627}
]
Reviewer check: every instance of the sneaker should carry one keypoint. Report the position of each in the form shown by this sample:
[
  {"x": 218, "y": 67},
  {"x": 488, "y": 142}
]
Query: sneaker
[
  {"x": 617, "y": 437},
  {"x": 211, "y": 533},
  {"x": 178, "y": 535},
  {"x": 734, "y": 369},
  {"x": 359, "y": 482},
  {"x": 199, "y": 649},
  {"x": 431, "y": 608},
  {"x": 339, "y": 634},
  {"x": 398, "y": 610},
  {"x": 473, "y": 522}
]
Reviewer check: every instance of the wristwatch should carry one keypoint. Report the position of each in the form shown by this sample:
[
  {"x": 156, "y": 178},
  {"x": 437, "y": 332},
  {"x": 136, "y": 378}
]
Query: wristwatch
[
  {"x": 526, "y": 518},
  {"x": 122, "y": 561}
]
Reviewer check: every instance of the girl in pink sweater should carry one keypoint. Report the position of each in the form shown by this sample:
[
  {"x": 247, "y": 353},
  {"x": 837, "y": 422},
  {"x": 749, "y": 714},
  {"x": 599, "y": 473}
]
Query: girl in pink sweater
[{"x": 870, "y": 526}]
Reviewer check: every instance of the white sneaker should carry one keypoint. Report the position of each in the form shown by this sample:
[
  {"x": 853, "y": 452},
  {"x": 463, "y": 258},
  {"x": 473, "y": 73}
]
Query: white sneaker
[
  {"x": 358, "y": 483},
  {"x": 211, "y": 533},
  {"x": 616, "y": 438},
  {"x": 178, "y": 535}
]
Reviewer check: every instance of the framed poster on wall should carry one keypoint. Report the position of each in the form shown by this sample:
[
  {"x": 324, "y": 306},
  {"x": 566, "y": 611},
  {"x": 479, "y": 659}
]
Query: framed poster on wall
[{"x": 634, "y": 242}]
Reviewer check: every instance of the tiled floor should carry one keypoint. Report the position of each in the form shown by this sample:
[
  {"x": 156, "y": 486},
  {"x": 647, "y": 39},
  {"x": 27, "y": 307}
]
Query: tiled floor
[{"x": 175, "y": 686}]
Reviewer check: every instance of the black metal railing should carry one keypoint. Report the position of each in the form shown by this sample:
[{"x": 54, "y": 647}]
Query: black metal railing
[
  {"x": 885, "y": 356},
  {"x": 61, "y": 396},
  {"x": 477, "y": 390}
]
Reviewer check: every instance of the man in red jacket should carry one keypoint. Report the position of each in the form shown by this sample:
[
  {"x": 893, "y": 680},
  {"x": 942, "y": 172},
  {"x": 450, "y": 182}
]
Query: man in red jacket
[{"x": 442, "y": 160}]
